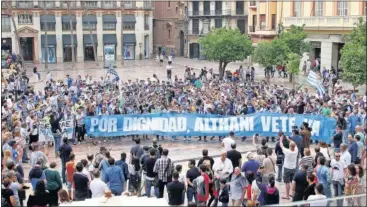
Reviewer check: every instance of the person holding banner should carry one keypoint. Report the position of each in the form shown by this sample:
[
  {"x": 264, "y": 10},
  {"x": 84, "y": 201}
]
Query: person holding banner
[{"x": 56, "y": 130}]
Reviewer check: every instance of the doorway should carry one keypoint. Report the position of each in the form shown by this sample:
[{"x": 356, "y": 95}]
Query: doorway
[
  {"x": 194, "y": 50},
  {"x": 89, "y": 53},
  {"x": 68, "y": 53},
  {"x": 182, "y": 43},
  {"x": 146, "y": 47},
  {"x": 26, "y": 44}
]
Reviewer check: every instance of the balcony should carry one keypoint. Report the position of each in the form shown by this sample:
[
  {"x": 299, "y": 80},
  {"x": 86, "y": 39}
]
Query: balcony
[
  {"x": 129, "y": 5},
  {"x": 46, "y": 4},
  {"x": 147, "y": 5},
  {"x": 207, "y": 13},
  {"x": 25, "y": 5},
  {"x": 252, "y": 30},
  {"x": 64, "y": 5},
  {"x": 323, "y": 23},
  {"x": 90, "y": 5},
  {"x": 252, "y": 4},
  {"x": 109, "y": 4}
]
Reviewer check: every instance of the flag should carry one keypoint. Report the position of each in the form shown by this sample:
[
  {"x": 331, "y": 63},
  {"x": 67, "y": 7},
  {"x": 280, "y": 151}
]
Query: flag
[
  {"x": 112, "y": 71},
  {"x": 314, "y": 81}
]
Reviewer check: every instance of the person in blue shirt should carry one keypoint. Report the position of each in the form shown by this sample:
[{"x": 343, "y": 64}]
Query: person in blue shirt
[
  {"x": 114, "y": 177},
  {"x": 124, "y": 167},
  {"x": 353, "y": 149},
  {"x": 324, "y": 176},
  {"x": 69, "y": 80},
  {"x": 353, "y": 121},
  {"x": 251, "y": 166},
  {"x": 297, "y": 138}
]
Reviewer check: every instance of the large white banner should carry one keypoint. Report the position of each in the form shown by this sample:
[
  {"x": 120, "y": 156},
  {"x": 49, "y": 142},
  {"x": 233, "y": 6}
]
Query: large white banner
[
  {"x": 44, "y": 132},
  {"x": 67, "y": 128}
]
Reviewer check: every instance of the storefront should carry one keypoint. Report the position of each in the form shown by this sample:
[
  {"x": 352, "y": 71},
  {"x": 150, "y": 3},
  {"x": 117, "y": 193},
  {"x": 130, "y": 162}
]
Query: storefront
[
  {"x": 128, "y": 49},
  {"x": 49, "y": 50},
  {"x": 88, "y": 47},
  {"x": 109, "y": 47},
  {"x": 67, "y": 44}
]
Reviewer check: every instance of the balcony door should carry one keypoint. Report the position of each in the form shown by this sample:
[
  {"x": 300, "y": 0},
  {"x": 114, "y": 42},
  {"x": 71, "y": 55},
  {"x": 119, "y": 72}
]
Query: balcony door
[
  {"x": 195, "y": 8},
  {"x": 206, "y": 7},
  {"x": 218, "y": 7}
]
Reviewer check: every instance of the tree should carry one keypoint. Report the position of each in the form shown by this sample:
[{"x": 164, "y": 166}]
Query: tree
[
  {"x": 225, "y": 45},
  {"x": 293, "y": 64},
  {"x": 294, "y": 40},
  {"x": 353, "y": 56},
  {"x": 271, "y": 53}
]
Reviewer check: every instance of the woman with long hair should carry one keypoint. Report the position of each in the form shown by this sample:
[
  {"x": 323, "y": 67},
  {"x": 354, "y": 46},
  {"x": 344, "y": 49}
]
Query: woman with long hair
[
  {"x": 7, "y": 157},
  {"x": 212, "y": 188},
  {"x": 351, "y": 184},
  {"x": 40, "y": 197},
  {"x": 64, "y": 199}
]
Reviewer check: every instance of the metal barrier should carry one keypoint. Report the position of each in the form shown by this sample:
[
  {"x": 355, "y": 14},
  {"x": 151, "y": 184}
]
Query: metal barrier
[{"x": 352, "y": 200}]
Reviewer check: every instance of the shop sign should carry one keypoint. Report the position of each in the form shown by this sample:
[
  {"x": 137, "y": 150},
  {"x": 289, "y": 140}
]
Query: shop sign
[{"x": 316, "y": 44}]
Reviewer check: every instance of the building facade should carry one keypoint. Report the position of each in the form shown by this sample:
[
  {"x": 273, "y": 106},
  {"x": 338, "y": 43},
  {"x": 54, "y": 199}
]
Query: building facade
[
  {"x": 169, "y": 27},
  {"x": 263, "y": 19},
  {"x": 203, "y": 16},
  {"x": 92, "y": 22},
  {"x": 325, "y": 22}
]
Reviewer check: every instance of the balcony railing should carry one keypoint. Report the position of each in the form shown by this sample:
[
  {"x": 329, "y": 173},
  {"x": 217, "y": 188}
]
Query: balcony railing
[
  {"x": 194, "y": 31},
  {"x": 128, "y": 5},
  {"x": 90, "y": 4},
  {"x": 251, "y": 28},
  {"x": 46, "y": 4},
  {"x": 25, "y": 5},
  {"x": 320, "y": 22},
  {"x": 209, "y": 13},
  {"x": 147, "y": 5},
  {"x": 109, "y": 4},
  {"x": 64, "y": 5}
]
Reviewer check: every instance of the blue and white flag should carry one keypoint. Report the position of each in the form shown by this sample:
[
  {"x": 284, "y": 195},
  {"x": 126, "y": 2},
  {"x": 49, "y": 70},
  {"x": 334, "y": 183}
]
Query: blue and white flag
[
  {"x": 112, "y": 71},
  {"x": 314, "y": 81}
]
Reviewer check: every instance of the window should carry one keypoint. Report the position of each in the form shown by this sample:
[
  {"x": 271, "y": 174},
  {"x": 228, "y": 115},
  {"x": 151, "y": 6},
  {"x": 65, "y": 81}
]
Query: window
[
  {"x": 241, "y": 24},
  {"x": 5, "y": 23},
  {"x": 273, "y": 21},
  {"x": 109, "y": 26},
  {"x": 297, "y": 5},
  {"x": 146, "y": 21},
  {"x": 218, "y": 23},
  {"x": 176, "y": 10},
  {"x": 364, "y": 8},
  {"x": 66, "y": 26},
  {"x": 169, "y": 4},
  {"x": 128, "y": 4},
  {"x": 206, "y": 7},
  {"x": 24, "y": 4},
  {"x": 50, "y": 26},
  {"x": 92, "y": 26},
  {"x": 169, "y": 34},
  {"x": 262, "y": 21},
  {"x": 342, "y": 8},
  {"x": 240, "y": 7},
  {"x": 218, "y": 8},
  {"x": 46, "y": 4},
  {"x": 195, "y": 8},
  {"x": 63, "y": 4},
  {"x": 319, "y": 8},
  {"x": 129, "y": 26},
  {"x": 109, "y": 4},
  {"x": 25, "y": 19},
  {"x": 195, "y": 26},
  {"x": 147, "y": 4}
]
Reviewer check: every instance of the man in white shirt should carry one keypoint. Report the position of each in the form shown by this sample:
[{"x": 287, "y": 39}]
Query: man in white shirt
[
  {"x": 345, "y": 155},
  {"x": 338, "y": 169},
  {"x": 223, "y": 168},
  {"x": 290, "y": 163},
  {"x": 97, "y": 186},
  {"x": 228, "y": 141}
]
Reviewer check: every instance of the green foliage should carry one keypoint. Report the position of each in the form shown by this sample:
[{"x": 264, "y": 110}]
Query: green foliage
[
  {"x": 294, "y": 40},
  {"x": 293, "y": 63},
  {"x": 227, "y": 45},
  {"x": 353, "y": 56},
  {"x": 271, "y": 53}
]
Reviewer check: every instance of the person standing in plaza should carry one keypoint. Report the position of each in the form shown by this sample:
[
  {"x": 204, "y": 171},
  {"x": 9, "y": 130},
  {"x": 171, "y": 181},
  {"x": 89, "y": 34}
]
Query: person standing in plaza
[
  {"x": 206, "y": 156},
  {"x": 56, "y": 129},
  {"x": 235, "y": 156},
  {"x": 164, "y": 168},
  {"x": 338, "y": 169},
  {"x": 290, "y": 164},
  {"x": 114, "y": 178},
  {"x": 175, "y": 191},
  {"x": 337, "y": 138},
  {"x": 81, "y": 184},
  {"x": 64, "y": 150},
  {"x": 53, "y": 183},
  {"x": 124, "y": 167},
  {"x": 324, "y": 177},
  {"x": 201, "y": 186},
  {"x": 70, "y": 169},
  {"x": 151, "y": 176},
  {"x": 191, "y": 175},
  {"x": 345, "y": 155},
  {"x": 228, "y": 141},
  {"x": 238, "y": 187},
  {"x": 299, "y": 183},
  {"x": 98, "y": 188}
]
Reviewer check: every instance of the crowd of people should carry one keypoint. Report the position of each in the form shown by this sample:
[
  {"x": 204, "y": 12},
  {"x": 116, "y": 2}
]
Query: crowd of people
[{"x": 227, "y": 181}]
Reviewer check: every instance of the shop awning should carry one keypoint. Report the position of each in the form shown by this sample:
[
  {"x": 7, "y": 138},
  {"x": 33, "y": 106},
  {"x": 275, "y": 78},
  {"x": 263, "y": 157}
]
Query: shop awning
[
  {"x": 129, "y": 18},
  {"x": 51, "y": 40},
  {"x": 48, "y": 18},
  {"x": 129, "y": 39},
  {"x": 66, "y": 40},
  {"x": 92, "y": 18},
  {"x": 109, "y": 18},
  {"x": 66, "y": 19},
  {"x": 88, "y": 40},
  {"x": 109, "y": 39}
]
